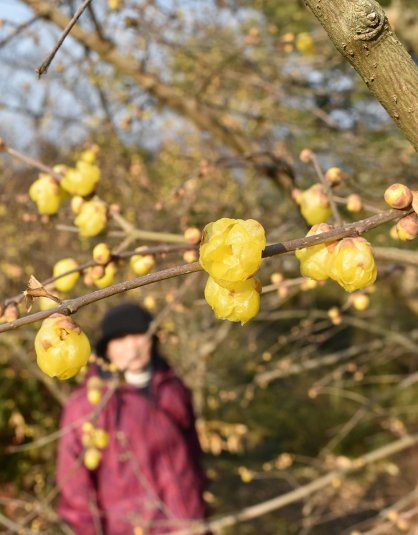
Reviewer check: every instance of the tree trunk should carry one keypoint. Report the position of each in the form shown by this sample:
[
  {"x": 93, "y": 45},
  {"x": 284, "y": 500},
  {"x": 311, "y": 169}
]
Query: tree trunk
[{"x": 361, "y": 32}]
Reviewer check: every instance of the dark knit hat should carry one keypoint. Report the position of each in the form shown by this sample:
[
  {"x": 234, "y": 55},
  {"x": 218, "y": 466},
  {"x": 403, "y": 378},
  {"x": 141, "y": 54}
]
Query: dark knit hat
[{"x": 127, "y": 318}]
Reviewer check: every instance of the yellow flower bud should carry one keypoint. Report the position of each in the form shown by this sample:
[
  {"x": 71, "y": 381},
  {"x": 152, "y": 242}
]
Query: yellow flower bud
[
  {"x": 277, "y": 278},
  {"x": 315, "y": 260},
  {"x": 101, "y": 253},
  {"x": 62, "y": 348},
  {"x": 94, "y": 396},
  {"x": 354, "y": 203},
  {"x": 46, "y": 193},
  {"x": 240, "y": 301},
  {"x": 407, "y": 227},
  {"x": 306, "y": 156},
  {"x": 352, "y": 264},
  {"x": 314, "y": 205},
  {"x": 398, "y": 196},
  {"x": 192, "y": 235},
  {"x": 142, "y": 264},
  {"x": 231, "y": 249},
  {"x": 150, "y": 302},
  {"x": 334, "y": 314},
  {"x": 65, "y": 284},
  {"x": 360, "y": 301},
  {"x": 45, "y": 303},
  {"x": 334, "y": 175},
  {"x": 89, "y": 155},
  {"x": 305, "y": 44},
  {"x": 87, "y": 427},
  {"x": 81, "y": 180},
  {"x": 92, "y": 218},
  {"x": 101, "y": 438},
  {"x": 190, "y": 256},
  {"x": 76, "y": 203},
  {"x": 91, "y": 459},
  {"x": 108, "y": 276},
  {"x": 393, "y": 233}
]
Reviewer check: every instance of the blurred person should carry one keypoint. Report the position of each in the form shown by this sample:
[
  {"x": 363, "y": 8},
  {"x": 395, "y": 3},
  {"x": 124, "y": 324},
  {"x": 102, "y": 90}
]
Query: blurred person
[{"x": 149, "y": 477}]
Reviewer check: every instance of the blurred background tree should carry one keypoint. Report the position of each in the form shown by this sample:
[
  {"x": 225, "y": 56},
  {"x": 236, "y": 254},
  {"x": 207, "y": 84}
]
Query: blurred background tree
[{"x": 200, "y": 110}]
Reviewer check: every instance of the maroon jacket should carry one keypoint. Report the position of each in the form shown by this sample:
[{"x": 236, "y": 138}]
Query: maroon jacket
[{"x": 149, "y": 474}]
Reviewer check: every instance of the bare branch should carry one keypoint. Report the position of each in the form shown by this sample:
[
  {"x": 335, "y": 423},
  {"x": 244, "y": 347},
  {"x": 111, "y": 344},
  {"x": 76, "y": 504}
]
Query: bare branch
[{"x": 45, "y": 65}]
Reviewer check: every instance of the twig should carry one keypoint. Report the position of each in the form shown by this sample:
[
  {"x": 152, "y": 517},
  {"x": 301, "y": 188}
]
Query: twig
[
  {"x": 327, "y": 188},
  {"x": 325, "y": 360},
  {"x": 152, "y": 250},
  {"x": 18, "y": 30},
  {"x": 71, "y": 306},
  {"x": 29, "y": 161},
  {"x": 45, "y": 65}
]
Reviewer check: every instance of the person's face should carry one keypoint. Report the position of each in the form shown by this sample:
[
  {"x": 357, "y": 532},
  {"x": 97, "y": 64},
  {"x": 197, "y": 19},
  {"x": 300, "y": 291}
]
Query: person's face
[{"x": 131, "y": 352}]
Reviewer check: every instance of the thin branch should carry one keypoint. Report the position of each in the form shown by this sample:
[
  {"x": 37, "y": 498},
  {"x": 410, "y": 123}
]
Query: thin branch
[
  {"x": 328, "y": 189},
  {"x": 20, "y": 28},
  {"x": 153, "y": 250},
  {"x": 27, "y": 160},
  {"x": 45, "y": 65},
  {"x": 325, "y": 360}
]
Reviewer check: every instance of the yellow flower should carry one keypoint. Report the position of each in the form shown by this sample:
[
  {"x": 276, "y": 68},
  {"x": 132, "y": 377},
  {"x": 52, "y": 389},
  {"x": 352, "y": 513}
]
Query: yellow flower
[
  {"x": 101, "y": 253},
  {"x": 65, "y": 284},
  {"x": 305, "y": 44},
  {"x": 314, "y": 204},
  {"x": 92, "y": 457},
  {"x": 101, "y": 438},
  {"x": 142, "y": 264},
  {"x": 407, "y": 227},
  {"x": 46, "y": 193},
  {"x": 92, "y": 218},
  {"x": 231, "y": 249},
  {"x": 108, "y": 276},
  {"x": 352, "y": 264},
  {"x": 62, "y": 348},
  {"x": 82, "y": 180},
  {"x": 315, "y": 260},
  {"x": 239, "y": 301}
]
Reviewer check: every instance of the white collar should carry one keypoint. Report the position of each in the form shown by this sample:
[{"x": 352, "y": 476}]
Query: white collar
[{"x": 140, "y": 379}]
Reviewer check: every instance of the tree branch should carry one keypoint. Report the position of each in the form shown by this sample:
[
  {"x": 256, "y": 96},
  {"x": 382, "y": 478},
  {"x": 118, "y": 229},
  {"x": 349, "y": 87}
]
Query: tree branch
[
  {"x": 45, "y": 65},
  {"x": 73, "y": 305},
  {"x": 361, "y": 32}
]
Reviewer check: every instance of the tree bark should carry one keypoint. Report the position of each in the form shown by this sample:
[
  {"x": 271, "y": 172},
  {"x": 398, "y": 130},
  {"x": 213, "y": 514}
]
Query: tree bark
[{"x": 361, "y": 32}]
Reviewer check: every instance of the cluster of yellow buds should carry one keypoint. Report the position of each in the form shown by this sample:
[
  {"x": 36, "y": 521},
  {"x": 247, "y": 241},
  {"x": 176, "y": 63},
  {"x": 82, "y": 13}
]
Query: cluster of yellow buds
[
  {"x": 61, "y": 347},
  {"x": 80, "y": 181},
  {"x": 102, "y": 274},
  {"x": 230, "y": 252},
  {"x": 93, "y": 439},
  {"x": 401, "y": 197},
  {"x": 349, "y": 262}
]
